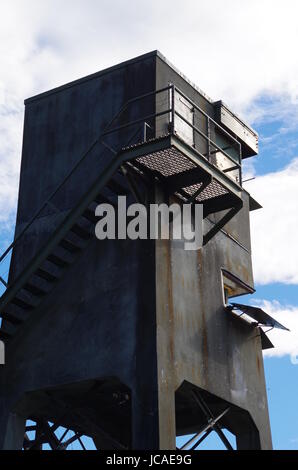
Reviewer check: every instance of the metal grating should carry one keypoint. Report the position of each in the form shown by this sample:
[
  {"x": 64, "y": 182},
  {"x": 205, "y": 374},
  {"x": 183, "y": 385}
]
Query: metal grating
[
  {"x": 171, "y": 162},
  {"x": 214, "y": 189},
  {"x": 167, "y": 162}
]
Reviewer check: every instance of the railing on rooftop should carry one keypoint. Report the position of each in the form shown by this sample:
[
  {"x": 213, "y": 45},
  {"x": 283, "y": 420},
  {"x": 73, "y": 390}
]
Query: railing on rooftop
[{"x": 223, "y": 150}]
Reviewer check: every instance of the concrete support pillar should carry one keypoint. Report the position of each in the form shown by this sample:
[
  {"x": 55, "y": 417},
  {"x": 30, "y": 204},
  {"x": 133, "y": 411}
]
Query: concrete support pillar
[
  {"x": 255, "y": 434},
  {"x": 153, "y": 396},
  {"x": 153, "y": 420},
  {"x": 249, "y": 440},
  {"x": 145, "y": 423},
  {"x": 165, "y": 340},
  {"x": 165, "y": 346},
  {"x": 255, "y": 437},
  {"x": 12, "y": 430},
  {"x": 145, "y": 420},
  {"x": 101, "y": 443}
]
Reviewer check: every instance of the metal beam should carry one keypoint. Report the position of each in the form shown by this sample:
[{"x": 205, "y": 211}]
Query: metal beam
[
  {"x": 131, "y": 183},
  {"x": 93, "y": 427},
  {"x": 207, "y": 412},
  {"x": 206, "y": 429},
  {"x": 196, "y": 445},
  {"x": 219, "y": 203},
  {"x": 222, "y": 222},
  {"x": 187, "y": 178}
]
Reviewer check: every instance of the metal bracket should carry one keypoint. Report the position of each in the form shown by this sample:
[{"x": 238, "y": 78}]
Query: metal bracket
[
  {"x": 212, "y": 421},
  {"x": 204, "y": 185},
  {"x": 3, "y": 282},
  {"x": 211, "y": 425},
  {"x": 146, "y": 126},
  {"x": 221, "y": 223},
  {"x": 131, "y": 183},
  {"x": 204, "y": 432}
]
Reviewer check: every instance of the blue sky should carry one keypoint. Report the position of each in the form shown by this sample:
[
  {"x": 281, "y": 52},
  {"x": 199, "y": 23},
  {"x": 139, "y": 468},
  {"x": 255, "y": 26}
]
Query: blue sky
[
  {"x": 278, "y": 148},
  {"x": 241, "y": 52}
]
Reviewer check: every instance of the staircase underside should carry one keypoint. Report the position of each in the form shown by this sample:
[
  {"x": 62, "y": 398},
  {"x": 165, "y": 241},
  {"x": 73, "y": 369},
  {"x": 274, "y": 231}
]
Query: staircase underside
[{"x": 181, "y": 169}]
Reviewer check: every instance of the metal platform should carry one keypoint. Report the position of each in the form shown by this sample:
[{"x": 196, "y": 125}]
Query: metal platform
[{"x": 187, "y": 174}]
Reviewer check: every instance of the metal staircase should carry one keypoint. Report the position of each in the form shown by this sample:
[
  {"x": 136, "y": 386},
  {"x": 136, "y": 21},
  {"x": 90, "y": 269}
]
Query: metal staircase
[
  {"x": 67, "y": 242},
  {"x": 179, "y": 166}
]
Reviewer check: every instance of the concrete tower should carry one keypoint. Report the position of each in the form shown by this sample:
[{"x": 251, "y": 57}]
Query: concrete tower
[{"x": 131, "y": 342}]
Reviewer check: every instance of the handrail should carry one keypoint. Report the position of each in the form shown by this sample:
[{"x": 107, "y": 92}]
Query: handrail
[
  {"x": 207, "y": 116},
  {"x": 137, "y": 121},
  {"x": 219, "y": 149},
  {"x": 237, "y": 164}
]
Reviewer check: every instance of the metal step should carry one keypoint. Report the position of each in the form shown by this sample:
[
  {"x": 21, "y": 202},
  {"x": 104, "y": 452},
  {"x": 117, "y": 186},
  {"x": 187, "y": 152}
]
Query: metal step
[
  {"x": 117, "y": 188},
  {"x": 37, "y": 291},
  {"x": 7, "y": 330},
  {"x": 103, "y": 199},
  {"x": 58, "y": 261},
  {"x": 69, "y": 246},
  {"x": 81, "y": 232},
  {"x": 14, "y": 318},
  {"x": 4, "y": 334},
  {"x": 43, "y": 274},
  {"x": 90, "y": 215},
  {"x": 22, "y": 304}
]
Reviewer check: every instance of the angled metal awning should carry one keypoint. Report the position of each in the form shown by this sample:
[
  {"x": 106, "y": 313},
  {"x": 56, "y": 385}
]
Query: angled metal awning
[
  {"x": 262, "y": 318},
  {"x": 266, "y": 343}
]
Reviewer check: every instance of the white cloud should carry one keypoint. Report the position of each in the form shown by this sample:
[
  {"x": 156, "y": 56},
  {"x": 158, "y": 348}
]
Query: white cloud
[
  {"x": 280, "y": 115},
  {"x": 285, "y": 342},
  {"x": 274, "y": 228},
  {"x": 224, "y": 46}
]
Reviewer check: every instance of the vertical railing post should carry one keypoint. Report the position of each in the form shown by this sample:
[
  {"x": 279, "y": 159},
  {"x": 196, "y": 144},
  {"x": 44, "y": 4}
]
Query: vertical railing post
[
  {"x": 240, "y": 161},
  {"x": 146, "y": 126},
  {"x": 173, "y": 108},
  {"x": 208, "y": 138}
]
